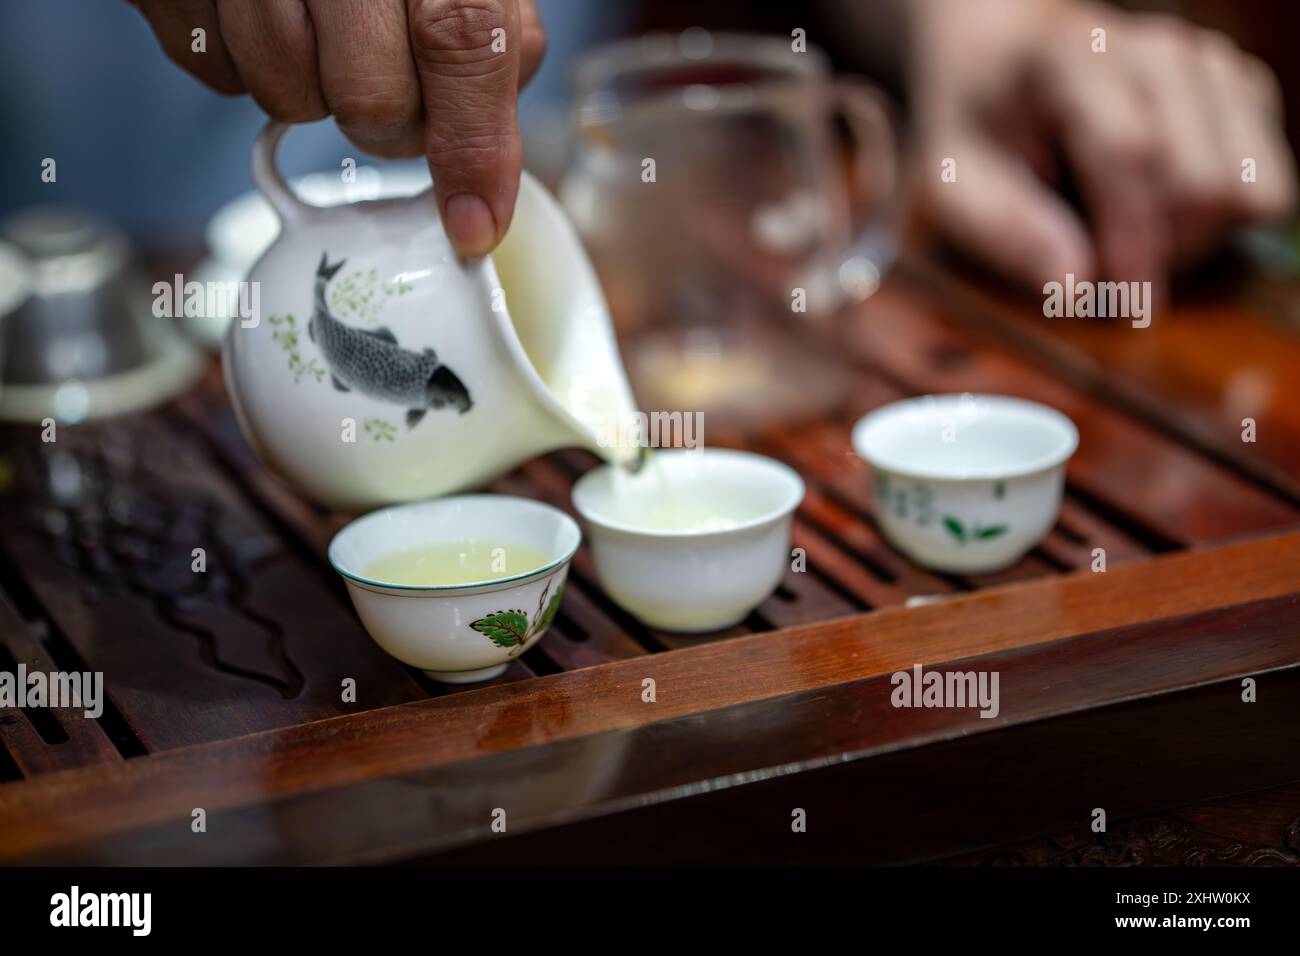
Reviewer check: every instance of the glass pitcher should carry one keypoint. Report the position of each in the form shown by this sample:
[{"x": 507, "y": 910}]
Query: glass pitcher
[{"x": 725, "y": 219}]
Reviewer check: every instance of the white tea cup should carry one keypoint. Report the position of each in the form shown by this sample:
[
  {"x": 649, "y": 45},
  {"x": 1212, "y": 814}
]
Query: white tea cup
[
  {"x": 966, "y": 483},
  {"x": 694, "y": 541}
]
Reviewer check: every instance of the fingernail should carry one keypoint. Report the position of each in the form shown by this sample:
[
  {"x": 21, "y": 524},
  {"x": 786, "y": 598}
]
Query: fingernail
[{"x": 470, "y": 225}]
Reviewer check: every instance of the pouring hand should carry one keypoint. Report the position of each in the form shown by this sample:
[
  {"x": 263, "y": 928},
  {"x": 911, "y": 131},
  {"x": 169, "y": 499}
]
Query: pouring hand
[{"x": 401, "y": 77}]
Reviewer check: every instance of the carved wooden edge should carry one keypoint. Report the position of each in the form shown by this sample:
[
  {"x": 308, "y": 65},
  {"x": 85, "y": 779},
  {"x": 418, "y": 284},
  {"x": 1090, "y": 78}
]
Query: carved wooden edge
[{"x": 717, "y": 691}]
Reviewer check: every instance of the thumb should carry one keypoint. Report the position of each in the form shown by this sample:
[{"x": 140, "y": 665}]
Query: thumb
[
  {"x": 467, "y": 53},
  {"x": 998, "y": 211}
]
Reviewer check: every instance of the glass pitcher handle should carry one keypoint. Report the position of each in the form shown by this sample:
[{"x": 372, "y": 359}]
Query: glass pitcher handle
[{"x": 875, "y": 185}]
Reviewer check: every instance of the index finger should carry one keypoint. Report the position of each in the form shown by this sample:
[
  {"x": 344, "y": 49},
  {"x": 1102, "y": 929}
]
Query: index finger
[{"x": 467, "y": 55}]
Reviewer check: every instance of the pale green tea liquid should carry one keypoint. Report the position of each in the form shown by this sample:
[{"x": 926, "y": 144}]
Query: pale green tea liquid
[
  {"x": 458, "y": 562},
  {"x": 649, "y": 500}
]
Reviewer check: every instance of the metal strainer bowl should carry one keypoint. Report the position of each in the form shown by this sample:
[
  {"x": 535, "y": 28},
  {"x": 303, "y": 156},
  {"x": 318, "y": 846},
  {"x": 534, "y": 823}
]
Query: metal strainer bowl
[{"x": 78, "y": 338}]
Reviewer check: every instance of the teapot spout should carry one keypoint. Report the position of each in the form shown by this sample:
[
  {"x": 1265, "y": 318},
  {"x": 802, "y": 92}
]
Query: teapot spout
[
  {"x": 557, "y": 314},
  {"x": 635, "y": 464}
]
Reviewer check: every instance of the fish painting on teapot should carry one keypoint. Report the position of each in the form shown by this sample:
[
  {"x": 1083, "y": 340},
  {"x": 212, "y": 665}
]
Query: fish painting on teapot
[
  {"x": 372, "y": 362},
  {"x": 385, "y": 368}
]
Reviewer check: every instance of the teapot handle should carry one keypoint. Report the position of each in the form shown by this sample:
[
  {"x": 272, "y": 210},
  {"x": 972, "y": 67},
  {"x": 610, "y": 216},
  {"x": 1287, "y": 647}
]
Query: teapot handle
[{"x": 267, "y": 178}]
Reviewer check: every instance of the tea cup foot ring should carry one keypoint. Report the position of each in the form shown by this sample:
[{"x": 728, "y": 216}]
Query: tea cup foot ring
[{"x": 468, "y": 677}]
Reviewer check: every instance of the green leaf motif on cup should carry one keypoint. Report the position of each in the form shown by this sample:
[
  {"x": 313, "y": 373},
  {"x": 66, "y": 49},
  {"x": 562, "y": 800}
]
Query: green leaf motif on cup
[
  {"x": 916, "y": 503},
  {"x": 900, "y": 503},
  {"x": 882, "y": 487},
  {"x": 923, "y": 502},
  {"x": 976, "y": 532},
  {"x": 548, "y": 615},
  {"x": 504, "y": 628},
  {"x": 511, "y": 629}
]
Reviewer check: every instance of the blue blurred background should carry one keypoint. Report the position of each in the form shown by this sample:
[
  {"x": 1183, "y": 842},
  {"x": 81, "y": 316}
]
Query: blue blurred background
[{"x": 139, "y": 141}]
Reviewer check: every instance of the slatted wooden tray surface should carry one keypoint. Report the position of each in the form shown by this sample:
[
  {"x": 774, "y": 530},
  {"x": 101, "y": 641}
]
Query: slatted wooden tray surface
[{"x": 97, "y": 532}]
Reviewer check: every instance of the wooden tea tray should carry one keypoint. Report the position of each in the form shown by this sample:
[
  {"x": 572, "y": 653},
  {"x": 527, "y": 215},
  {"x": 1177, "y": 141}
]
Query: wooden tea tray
[{"x": 1120, "y": 690}]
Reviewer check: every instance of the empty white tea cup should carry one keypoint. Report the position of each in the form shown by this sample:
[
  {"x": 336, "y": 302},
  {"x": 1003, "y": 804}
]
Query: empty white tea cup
[
  {"x": 966, "y": 483},
  {"x": 459, "y": 632},
  {"x": 695, "y": 540}
]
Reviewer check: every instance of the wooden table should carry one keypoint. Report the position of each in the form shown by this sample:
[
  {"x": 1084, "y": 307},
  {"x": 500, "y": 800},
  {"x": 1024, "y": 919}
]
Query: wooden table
[{"x": 1120, "y": 690}]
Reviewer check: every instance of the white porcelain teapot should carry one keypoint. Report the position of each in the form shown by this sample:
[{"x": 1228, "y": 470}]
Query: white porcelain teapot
[{"x": 381, "y": 367}]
